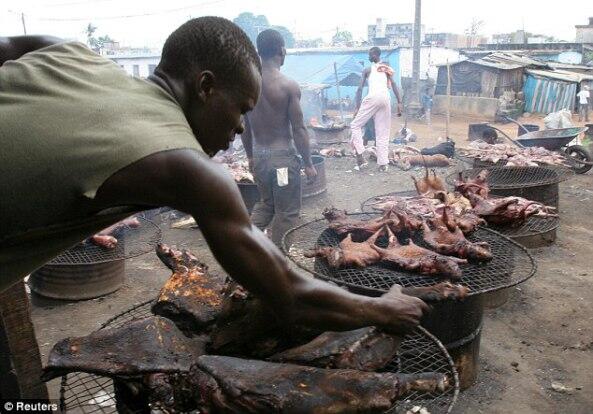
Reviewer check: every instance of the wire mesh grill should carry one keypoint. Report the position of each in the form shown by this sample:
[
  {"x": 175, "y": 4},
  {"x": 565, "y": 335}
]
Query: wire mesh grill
[
  {"x": 516, "y": 177},
  {"x": 419, "y": 352},
  {"x": 533, "y": 226},
  {"x": 511, "y": 263},
  {"x": 131, "y": 242}
]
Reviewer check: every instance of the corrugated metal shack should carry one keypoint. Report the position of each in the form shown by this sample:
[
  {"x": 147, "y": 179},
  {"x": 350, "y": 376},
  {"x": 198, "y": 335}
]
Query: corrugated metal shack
[
  {"x": 552, "y": 90},
  {"x": 488, "y": 77}
]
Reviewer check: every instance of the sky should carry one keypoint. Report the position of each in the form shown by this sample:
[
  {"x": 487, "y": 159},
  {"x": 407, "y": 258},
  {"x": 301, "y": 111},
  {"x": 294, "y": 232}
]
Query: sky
[{"x": 148, "y": 22}]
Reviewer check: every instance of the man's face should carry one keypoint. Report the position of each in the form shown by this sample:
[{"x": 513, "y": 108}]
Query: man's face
[
  {"x": 373, "y": 57},
  {"x": 216, "y": 117}
]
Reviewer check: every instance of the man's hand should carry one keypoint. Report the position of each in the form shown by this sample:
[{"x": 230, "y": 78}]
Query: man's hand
[
  {"x": 311, "y": 174},
  {"x": 400, "y": 108},
  {"x": 405, "y": 311}
]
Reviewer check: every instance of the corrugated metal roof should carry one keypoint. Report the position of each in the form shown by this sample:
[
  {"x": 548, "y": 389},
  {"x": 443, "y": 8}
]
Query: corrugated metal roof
[
  {"x": 561, "y": 75},
  {"x": 506, "y": 61}
]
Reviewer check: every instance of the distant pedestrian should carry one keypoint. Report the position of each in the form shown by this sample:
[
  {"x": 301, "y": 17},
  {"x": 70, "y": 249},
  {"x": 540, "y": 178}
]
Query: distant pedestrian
[
  {"x": 376, "y": 105},
  {"x": 584, "y": 97},
  {"x": 426, "y": 100}
]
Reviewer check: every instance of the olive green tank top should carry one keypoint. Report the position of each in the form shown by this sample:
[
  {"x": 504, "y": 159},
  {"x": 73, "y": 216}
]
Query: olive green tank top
[{"x": 69, "y": 119}]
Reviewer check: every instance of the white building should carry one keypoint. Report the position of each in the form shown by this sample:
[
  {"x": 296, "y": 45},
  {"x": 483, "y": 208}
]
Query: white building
[
  {"x": 141, "y": 65},
  {"x": 585, "y": 32},
  {"x": 430, "y": 58}
]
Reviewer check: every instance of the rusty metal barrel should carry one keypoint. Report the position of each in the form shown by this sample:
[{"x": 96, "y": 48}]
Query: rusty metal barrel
[
  {"x": 318, "y": 186},
  {"x": 78, "y": 282}
]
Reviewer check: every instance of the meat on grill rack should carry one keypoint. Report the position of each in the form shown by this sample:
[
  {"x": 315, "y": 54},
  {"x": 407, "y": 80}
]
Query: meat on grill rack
[{"x": 155, "y": 364}]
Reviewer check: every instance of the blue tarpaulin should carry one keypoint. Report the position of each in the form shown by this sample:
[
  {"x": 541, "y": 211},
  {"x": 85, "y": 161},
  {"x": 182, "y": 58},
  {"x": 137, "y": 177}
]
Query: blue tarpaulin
[{"x": 318, "y": 67}]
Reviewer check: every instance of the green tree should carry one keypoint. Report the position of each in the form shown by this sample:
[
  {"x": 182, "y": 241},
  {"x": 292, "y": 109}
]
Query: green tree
[
  {"x": 341, "y": 37},
  {"x": 254, "y": 25}
]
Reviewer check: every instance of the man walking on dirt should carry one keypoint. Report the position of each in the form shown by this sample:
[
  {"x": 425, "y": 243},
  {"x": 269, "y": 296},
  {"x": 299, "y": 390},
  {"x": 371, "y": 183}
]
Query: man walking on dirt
[
  {"x": 273, "y": 130},
  {"x": 376, "y": 105},
  {"x": 584, "y": 95}
]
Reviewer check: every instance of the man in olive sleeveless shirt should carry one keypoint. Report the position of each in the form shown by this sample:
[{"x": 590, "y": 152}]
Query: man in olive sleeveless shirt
[{"x": 84, "y": 145}]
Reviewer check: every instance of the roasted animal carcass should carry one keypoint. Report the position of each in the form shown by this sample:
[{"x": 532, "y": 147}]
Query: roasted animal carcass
[
  {"x": 477, "y": 185},
  {"x": 342, "y": 224},
  {"x": 418, "y": 259},
  {"x": 429, "y": 184},
  {"x": 107, "y": 237},
  {"x": 512, "y": 155},
  {"x": 139, "y": 347},
  {"x": 365, "y": 349},
  {"x": 232, "y": 385},
  {"x": 509, "y": 210},
  {"x": 438, "y": 292},
  {"x": 407, "y": 162},
  {"x": 350, "y": 253},
  {"x": 192, "y": 297},
  {"x": 445, "y": 237}
]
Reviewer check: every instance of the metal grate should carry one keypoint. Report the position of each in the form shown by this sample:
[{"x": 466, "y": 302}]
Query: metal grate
[
  {"x": 419, "y": 352},
  {"x": 516, "y": 177},
  {"x": 512, "y": 264},
  {"x": 533, "y": 226},
  {"x": 132, "y": 242}
]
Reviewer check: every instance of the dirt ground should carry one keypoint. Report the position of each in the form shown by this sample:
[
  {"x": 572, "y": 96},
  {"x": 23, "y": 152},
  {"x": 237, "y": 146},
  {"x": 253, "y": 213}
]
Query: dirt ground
[{"x": 543, "y": 334}]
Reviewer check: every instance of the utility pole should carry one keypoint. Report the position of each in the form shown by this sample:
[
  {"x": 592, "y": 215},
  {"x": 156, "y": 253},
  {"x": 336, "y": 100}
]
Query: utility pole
[
  {"x": 414, "y": 101},
  {"x": 23, "y": 21}
]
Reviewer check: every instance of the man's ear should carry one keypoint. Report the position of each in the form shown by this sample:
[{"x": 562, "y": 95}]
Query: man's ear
[{"x": 205, "y": 84}]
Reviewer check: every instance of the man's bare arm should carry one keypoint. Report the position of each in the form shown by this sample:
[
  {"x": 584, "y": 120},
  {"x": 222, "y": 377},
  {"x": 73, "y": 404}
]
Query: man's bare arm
[
  {"x": 247, "y": 138},
  {"x": 358, "y": 97},
  {"x": 397, "y": 94},
  {"x": 12, "y": 48},
  {"x": 299, "y": 130},
  {"x": 189, "y": 182}
]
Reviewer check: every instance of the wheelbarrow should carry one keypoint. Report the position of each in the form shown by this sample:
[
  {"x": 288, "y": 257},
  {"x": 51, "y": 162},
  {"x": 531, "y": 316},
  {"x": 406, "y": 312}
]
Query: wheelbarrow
[{"x": 558, "y": 140}]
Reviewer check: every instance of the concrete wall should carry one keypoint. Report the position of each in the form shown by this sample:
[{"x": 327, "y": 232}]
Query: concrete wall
[
  {"x": 143, "y": 64},
  {"x": 430, "y": 57},
  {"x": 467, "y": 105}
]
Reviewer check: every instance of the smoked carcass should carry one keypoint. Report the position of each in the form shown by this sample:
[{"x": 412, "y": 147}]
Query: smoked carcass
[
  {"x": 192, "y": 297},
  {"x": 349, "y": 253},
  {"x": 232, "y": 385}
]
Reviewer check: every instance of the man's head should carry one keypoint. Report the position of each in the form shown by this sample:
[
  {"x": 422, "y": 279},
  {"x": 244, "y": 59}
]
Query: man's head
[
  {"x": 586, "y": 87},
  {"x": 270, "y": 45},
  {"x": 375, "y": 54},
  {"x": 220, "y": 72}
]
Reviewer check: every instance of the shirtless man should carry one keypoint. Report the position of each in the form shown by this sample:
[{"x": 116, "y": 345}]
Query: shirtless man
[
  {"x": 376, "y": 105},
  {"x": 273, "y": 130},
  {"x": 87, "y": 145}
]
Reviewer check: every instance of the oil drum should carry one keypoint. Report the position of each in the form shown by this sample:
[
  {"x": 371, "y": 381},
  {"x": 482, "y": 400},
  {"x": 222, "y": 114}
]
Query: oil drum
[
  {"x": 78, "y": 281},
  {"x": 458, "y": 325},
  {"x": 318, "y": 186}
]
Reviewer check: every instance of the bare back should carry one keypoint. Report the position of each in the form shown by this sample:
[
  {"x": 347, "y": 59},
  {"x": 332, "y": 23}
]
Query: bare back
[{"x": 271, "y": 119}]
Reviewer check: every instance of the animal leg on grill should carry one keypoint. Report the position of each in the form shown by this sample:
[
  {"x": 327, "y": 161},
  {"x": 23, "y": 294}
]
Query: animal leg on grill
[
  {"x": 477, "y": 185},
  {"x": 418, "y": 259},
  {"x": 438, "y": 292},
  {"x": 428, "y": 185},
  {"x": 350, "y": 253},
  {"x": 365, "y": 349},
  {"x": 342, "y": 224},
  {"x": 192, "y": 297},
  {"x": 232, "y": 385},
  {"x": 143, "y": 346},
  {"x": 448, "y": 239}
]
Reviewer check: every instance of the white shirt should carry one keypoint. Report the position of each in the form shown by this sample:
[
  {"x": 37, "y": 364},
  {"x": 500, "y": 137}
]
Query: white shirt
[
  {"x": 377, "y": 82},
  {"x": 583, "y": 97}
]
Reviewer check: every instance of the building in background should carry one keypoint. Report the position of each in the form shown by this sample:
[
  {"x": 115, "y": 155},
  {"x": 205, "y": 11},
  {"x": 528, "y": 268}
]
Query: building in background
[
  {"x": 585, "y": 32},
  {"x": 396, "y": 34},
  {"x": 453, "y": 40}
]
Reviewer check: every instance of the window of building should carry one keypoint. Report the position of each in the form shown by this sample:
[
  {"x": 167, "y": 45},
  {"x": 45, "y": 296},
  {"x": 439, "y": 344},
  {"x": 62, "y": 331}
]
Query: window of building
[
  {"x": 151, "y": 69},
  {"x": 136, "y": 70}
]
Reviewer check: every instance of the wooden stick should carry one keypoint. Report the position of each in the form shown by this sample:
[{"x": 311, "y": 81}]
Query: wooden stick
[
  {"x": 338, "y": 88},
  {"x": 448, "y": 118}
]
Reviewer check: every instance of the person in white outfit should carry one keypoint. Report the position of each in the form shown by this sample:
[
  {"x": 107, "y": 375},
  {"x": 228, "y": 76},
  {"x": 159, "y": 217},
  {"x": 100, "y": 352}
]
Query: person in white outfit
[
  {"x": 376, "y": 105},
  {"x": 584, "y": 96}
]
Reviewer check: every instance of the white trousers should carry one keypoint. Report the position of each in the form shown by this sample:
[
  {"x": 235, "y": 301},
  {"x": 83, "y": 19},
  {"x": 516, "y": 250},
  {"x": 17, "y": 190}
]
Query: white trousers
[{"x": 379, "y": 108}]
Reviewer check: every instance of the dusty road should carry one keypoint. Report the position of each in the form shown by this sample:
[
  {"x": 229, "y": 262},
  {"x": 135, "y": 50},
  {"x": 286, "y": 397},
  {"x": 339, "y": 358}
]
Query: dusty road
[{"x": 544, "y": 333}]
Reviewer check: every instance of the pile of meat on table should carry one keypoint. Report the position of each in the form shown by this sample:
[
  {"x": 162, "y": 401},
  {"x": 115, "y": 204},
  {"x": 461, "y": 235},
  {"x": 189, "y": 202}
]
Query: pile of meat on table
[
  {"x": 211, "y": 346},
  {"x": 435, "y": 218},
  {"x": 512, "y": 155}
]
